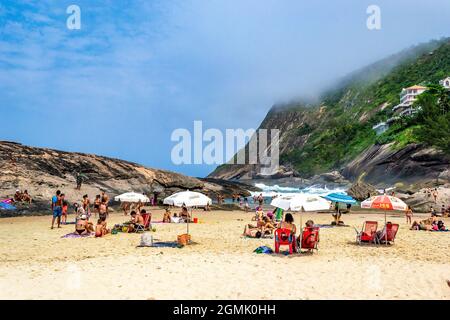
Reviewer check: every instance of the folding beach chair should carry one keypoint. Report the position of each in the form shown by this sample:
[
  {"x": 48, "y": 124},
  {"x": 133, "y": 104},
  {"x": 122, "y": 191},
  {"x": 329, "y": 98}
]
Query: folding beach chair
[
  {"x": 284, "y": 237},
  {"x": 309, "y": 239},
  {"x": 388, "y": 234},
  {"x": 147, "y": 219},
  {"x": 368, "y": 232}
]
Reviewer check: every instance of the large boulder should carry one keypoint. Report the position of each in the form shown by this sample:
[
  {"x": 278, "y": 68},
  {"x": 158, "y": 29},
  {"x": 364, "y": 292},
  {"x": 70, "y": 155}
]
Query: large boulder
[
  {"x": 423, "y": 200},
  {"x": 361, "y": 190}
]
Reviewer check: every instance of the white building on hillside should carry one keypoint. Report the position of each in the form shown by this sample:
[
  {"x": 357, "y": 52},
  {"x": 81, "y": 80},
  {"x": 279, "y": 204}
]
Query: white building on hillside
[
  {"x": 407, "y": 97},
  {"x": 445, "y": 83}
]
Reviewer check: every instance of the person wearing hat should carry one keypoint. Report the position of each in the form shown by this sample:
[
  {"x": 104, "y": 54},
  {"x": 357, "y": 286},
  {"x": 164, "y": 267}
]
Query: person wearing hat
[{"x": 83, "y": 225}]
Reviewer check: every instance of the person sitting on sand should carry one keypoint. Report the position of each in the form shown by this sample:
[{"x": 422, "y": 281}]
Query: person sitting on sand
[
  {"x": 26, "y": 197},
  {"x": 83, "y": 225},
  {"x": 175, "y": 218},
  {"x": 101, "y": 229},
  {"x": 288, "y": 223},
  {"x": 167, "y": 216},
  {"x": 184, "y": 214},
  {"x": 251, "y": 231},
  {"x": 18, "y": 196},
  {"x": 309, "y": 224},
  {"x": 136, "y": 220}
]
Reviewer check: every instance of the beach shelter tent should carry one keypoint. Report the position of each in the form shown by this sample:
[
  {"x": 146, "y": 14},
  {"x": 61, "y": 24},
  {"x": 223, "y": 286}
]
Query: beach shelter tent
[
  {"x": 189, "y": 199},
  {"x": 385, "y": 203},
  {"x": 132, "y": 197}
]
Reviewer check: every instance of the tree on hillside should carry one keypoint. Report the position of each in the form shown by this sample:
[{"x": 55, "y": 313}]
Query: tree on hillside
[{"x": 433, "y": 118}]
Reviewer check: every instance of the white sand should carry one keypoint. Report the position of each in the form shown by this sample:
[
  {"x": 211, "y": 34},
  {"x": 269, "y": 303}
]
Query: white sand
[{"x": 35, "y": 263}]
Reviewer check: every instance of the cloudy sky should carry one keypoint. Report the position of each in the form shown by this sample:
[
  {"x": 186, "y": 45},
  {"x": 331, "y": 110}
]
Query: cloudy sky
[{"x": 137, "y": 70}]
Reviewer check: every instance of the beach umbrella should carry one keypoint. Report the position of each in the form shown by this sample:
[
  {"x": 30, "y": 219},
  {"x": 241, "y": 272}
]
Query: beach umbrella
[
  {"x": 301, "y": 202},
  {"x": 189, "y": 199},
  {"x": 385, "y": 203},
  {"x": 339, "y": 197},
  {"x": 132, "y": 197}
]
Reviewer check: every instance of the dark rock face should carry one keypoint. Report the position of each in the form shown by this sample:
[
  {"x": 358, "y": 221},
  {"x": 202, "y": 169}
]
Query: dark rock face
[
  {"x": 361, "y": 191},
  {"x": 412, "y": 164},
  {"x": 42, "y": 171}
]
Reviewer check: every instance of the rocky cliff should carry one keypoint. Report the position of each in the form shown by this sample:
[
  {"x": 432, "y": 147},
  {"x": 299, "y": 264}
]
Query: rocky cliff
[
  {"x": 42, "y": 171},
  {"x": 335, "y": 132}
]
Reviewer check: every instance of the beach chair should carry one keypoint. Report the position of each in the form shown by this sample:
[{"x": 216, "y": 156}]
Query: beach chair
[
  {"x": 147, "y": 225},
  {"x": 391, "y": 230},
  {"x": 284, "y": 237},
  {"x": 368, "y": 232},
  {"x": 309, "y": 239}
]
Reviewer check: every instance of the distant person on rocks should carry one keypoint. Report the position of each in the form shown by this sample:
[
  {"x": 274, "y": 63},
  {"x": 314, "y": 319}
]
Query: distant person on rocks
[
  {"x": 79, "y": 179},
  {"x": 26, "y": 197},
  {"x": 435, "y": 194}
]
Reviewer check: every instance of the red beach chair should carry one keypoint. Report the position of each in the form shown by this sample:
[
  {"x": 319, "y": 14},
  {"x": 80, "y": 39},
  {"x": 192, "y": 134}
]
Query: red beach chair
[
  {"x": 368, "y": 232},
  {"x": 391, "y": 230},
  {"x": 310, "y": 239},
  {"x": 147, "y": 225},
  {"x": 284, "y": 237}
]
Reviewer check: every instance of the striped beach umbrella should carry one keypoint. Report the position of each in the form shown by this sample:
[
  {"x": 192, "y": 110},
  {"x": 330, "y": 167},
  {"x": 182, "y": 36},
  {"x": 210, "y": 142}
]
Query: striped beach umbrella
[{"x": 385, "y": 203}]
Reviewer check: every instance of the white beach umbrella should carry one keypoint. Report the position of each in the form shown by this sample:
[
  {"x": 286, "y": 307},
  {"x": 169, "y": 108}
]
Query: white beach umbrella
[
  {"x": 132, "y": 197},
  {"x": 189, "y": 199},
  {"x": 301, "y": 202},
  {"x": 309, "y": 202}
]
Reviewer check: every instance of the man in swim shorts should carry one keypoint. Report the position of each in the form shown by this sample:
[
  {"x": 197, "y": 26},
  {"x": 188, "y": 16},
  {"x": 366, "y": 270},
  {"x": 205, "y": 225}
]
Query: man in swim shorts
[{"x": 57, "y": 209}]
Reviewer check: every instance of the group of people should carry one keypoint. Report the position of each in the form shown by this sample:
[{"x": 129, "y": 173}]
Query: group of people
[
  {"x": 83, "y": 213},
  {"x": 20, "y": 196},
  {"x": 433, "y": 223}
]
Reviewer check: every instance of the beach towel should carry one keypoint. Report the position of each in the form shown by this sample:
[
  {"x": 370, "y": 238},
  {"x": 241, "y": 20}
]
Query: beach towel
[
  {"x": 263, "y": 249},
  {"x": 6, "y": 206},
  {"x": 278, "y": 214},
  {"x": 74, "y": 235}
]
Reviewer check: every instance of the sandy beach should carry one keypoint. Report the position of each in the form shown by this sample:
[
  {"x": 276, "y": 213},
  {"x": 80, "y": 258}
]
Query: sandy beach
[{"x": 36, "y": 263}]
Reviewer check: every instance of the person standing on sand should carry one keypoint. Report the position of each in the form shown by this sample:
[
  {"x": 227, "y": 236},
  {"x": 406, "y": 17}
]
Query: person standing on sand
[
  {"x": 409, "y": 215},
  {"x": 87, "y": 206},
  {"x": 56, "y": 209},
  {"x": 105, "y": 201}
]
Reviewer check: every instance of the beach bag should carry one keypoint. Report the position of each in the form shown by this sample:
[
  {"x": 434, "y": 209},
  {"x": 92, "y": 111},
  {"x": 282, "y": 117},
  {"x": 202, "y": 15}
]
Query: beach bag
[
  {"x": 263, "y": 249},
  {"x": 146, "y": 240},
  {"x": 183, "y": 239}
]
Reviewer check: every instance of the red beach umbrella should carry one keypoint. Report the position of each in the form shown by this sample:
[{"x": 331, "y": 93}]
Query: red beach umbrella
[{"x": 384, "y": 203}]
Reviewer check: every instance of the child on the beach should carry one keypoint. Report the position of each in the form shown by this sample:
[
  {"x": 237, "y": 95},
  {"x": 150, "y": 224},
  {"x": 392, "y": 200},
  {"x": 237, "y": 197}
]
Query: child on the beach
[
  {"x": 65, "y": 207},
  {"x": 100, "y": 228}
]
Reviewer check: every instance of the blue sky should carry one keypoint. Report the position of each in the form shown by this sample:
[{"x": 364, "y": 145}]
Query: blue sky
[{"x": 137, "y": 70}]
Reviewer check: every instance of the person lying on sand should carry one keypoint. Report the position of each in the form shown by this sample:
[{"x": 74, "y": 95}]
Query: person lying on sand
[
  {"x": 83, "y": 225},
  {"x": 167, "y": 216},
  {"x": 136, "y": 220},
  {"x": 425, "y": 225},
  {"x": 251, "y": 231},
  {"x": 267, "y": 226},
  {"x": 101, "y": 229}
]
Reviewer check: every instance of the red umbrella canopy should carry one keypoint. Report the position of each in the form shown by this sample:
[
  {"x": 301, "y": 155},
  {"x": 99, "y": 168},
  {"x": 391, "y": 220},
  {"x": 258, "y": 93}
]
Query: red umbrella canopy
[{"x": 384, "y": 202}]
